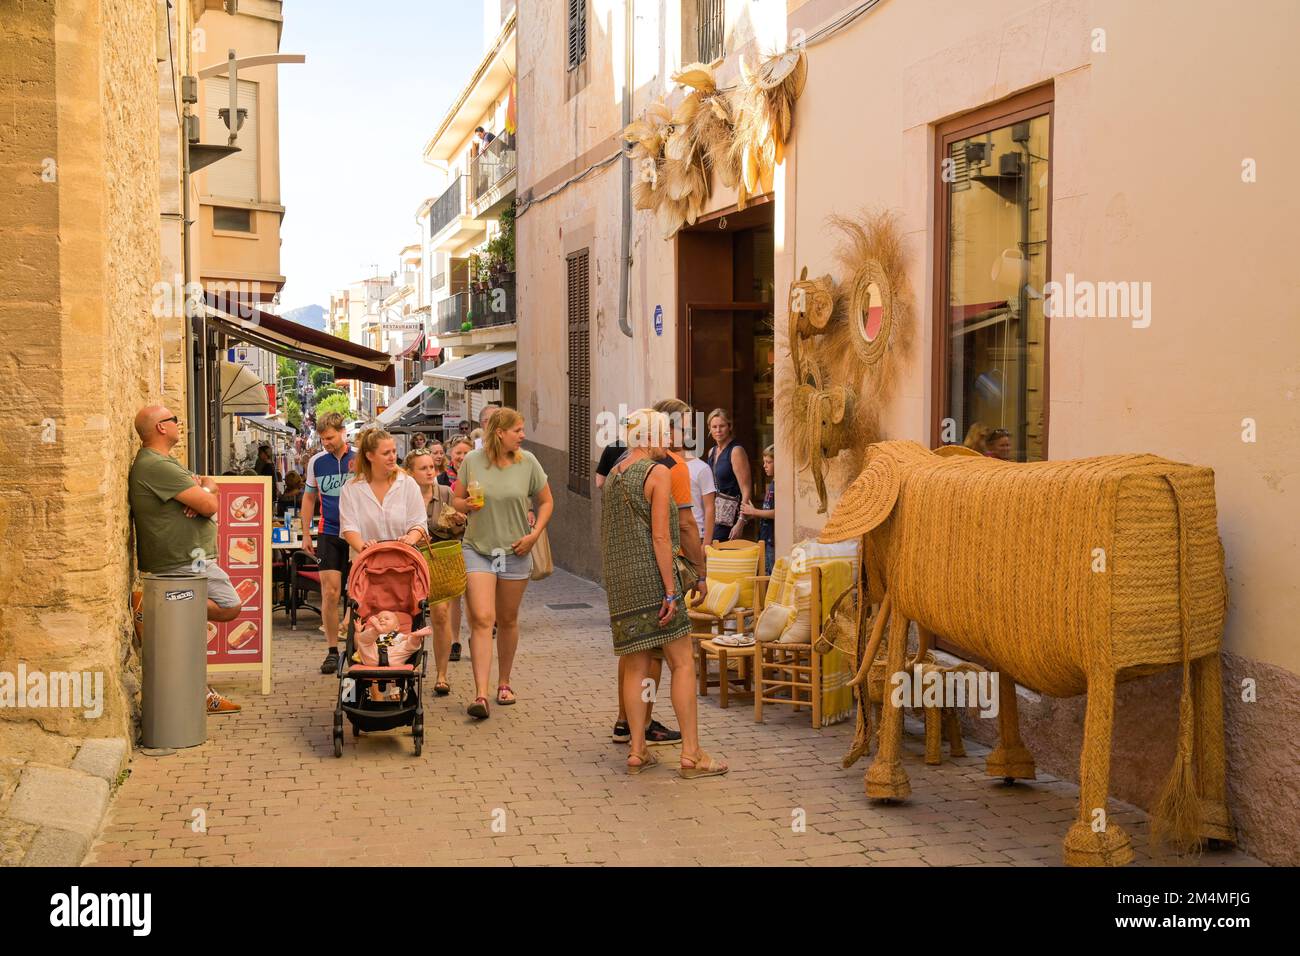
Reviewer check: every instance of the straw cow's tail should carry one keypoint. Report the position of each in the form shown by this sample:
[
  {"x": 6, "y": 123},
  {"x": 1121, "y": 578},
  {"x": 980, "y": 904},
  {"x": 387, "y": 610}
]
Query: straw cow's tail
[{"x": 1176, "y": 814}]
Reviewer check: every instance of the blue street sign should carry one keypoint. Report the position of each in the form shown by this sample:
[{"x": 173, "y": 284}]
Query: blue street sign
[{"x": 659, "y": 320}]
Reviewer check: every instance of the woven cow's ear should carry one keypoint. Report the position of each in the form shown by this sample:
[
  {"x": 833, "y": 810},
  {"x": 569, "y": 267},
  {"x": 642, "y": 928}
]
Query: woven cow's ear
[{"x": 867, "y": 502}]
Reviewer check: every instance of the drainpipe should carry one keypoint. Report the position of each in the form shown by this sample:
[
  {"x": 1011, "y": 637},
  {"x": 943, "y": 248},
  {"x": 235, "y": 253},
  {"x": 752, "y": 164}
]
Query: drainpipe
[{"x": 625, "y": 255}]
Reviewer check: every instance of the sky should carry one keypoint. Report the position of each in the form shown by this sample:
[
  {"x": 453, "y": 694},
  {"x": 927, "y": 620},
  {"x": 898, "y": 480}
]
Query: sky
[{"x": 379, "y": 77}]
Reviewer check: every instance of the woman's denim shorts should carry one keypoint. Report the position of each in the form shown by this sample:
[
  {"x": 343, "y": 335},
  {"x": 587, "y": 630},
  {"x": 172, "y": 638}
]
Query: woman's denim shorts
[{"x": 506, "y": 565}]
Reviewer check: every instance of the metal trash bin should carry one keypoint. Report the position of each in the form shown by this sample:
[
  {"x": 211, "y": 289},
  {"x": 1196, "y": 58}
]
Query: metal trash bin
[{"x": 174, "y": 658}]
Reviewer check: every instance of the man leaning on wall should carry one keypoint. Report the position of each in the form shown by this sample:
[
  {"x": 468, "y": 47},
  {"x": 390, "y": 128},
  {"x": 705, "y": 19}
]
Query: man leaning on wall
[{"x": 172, "y": 509}]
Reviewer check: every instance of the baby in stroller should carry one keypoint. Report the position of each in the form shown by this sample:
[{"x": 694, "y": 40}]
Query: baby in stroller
[
  {"x": 382, "y": 644},
  {"x": 384, "y": 664}
]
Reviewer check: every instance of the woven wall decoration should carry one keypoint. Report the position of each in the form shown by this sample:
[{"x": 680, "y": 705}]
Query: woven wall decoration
[
  {"x": 851, "y": 337},
  {"x": 740, "y": 134},
  {"x": 1001, "y": 560}
]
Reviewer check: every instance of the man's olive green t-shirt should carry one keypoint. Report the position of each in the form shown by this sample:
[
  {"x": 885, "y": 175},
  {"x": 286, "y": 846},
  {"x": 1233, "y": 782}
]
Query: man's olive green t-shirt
[
  {"x": 164, "y": 538},
  {"x": 503, "y": 519}
]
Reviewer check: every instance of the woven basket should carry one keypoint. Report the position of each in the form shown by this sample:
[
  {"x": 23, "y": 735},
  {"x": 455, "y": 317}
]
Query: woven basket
[{"x": 446, "y": 570}]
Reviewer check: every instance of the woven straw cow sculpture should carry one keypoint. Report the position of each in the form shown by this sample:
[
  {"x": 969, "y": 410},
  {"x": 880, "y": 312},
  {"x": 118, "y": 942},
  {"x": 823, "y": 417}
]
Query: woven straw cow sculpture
[{"x": 1065, "y": 577}]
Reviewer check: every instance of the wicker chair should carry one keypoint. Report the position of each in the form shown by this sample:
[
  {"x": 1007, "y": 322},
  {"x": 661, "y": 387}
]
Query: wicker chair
[{"x": 706, "y": 626}]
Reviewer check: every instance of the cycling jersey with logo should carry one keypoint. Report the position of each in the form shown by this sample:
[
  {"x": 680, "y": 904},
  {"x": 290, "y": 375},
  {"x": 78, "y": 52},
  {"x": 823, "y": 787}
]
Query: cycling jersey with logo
[{"x": 325, "y": 477}]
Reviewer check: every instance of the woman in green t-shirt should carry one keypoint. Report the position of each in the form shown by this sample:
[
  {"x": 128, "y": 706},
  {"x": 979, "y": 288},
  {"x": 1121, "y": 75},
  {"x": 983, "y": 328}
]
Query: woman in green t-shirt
[{"x": 494, "y": 486}]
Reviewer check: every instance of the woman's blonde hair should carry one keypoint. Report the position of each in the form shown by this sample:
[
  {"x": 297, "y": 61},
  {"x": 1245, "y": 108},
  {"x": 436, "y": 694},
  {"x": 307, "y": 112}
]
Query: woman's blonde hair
[
  {"x": 409, "y": 464},
  {"x": 502, "y": 420},
  {"x": 718, "y": 413},
  {"x": 976, "y": 436},
  {"x": 651, "y": 430},
  {"x": 368, "y": 441}
]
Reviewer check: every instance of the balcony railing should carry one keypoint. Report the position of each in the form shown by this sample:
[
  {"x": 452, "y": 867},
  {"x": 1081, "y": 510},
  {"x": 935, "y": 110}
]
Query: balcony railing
[
  {"x": 447, "y": 206},
  {"x": 483, "y": 309},
  {"x": 493, "y": 164}
]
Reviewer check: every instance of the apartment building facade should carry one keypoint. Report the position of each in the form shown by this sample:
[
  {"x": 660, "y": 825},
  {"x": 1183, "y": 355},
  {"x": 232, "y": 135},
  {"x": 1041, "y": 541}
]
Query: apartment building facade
[{"x": 468, "y": 232}]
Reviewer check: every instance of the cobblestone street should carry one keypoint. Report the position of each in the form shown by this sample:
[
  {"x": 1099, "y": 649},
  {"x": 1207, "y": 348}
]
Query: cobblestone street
[{"x": 270, "y": 791}]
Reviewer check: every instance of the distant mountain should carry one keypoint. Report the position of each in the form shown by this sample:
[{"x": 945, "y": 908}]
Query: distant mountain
[{"x": 312, "y": 316}]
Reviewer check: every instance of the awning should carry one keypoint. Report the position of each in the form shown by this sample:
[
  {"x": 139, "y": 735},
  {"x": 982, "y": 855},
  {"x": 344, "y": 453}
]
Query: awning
[
  {"x": 395, "y": 411},
  {"x": 471, "y": 367},
  {"x": 242, "y": 392},
  {"x": 250, "y": 324},
  {"x": 431, "y": 351},
  {"x": 411, "y": 350},
  {"x": 270, "y": 424},
  {"x": 415, "y": 421}
]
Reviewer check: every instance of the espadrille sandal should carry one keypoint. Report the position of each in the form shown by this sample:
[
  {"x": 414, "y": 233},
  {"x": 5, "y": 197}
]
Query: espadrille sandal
[
  {"x": 703, "y": 766},
  {"x": 646, "y": 761}
]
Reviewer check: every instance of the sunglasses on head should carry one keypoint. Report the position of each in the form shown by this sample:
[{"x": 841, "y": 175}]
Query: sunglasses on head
[{"x": 999, "y": 433}]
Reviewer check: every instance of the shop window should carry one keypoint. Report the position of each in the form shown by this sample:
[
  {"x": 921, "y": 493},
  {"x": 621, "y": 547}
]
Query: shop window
[
  {"x": 230, "y": 219},
  {"x": 993, "y": 254},
  {"x": 579, "y": 309}
]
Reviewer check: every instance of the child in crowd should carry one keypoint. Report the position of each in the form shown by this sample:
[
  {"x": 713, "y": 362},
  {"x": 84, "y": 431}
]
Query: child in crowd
[{"x": 766, "y": 515}]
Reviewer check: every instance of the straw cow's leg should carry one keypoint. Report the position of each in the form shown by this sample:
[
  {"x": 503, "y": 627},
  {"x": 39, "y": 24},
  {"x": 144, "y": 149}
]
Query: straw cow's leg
[
  {"x": 1011, "y": 759},
  {"x": 885, "y": 778},
  {"x": 1093, "y": 840},
  {"x": 952, "y": 726},
  {"x": 1211, "y": 768}
]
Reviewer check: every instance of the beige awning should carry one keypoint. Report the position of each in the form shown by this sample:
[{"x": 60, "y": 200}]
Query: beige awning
[{"x": 242, "y": 392}]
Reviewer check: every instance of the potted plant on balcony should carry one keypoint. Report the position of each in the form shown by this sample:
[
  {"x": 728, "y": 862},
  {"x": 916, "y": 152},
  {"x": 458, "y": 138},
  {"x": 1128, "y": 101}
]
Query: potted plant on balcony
[{"x": 476, "y": 271}]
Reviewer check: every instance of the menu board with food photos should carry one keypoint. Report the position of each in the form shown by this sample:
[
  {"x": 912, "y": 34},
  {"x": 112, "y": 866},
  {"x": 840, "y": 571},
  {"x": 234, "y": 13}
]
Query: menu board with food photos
[{"x": 244, "y": 553}]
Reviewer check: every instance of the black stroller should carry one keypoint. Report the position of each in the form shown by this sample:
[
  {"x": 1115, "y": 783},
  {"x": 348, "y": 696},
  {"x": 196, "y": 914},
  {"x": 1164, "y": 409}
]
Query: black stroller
[{"x": 391, "y": 576}]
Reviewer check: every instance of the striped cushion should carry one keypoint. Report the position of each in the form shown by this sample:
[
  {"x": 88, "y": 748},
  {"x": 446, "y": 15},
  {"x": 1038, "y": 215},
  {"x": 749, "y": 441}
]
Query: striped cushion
[
  {"x": 740, "y": 564},
  {"x": 721, "y": 598}
]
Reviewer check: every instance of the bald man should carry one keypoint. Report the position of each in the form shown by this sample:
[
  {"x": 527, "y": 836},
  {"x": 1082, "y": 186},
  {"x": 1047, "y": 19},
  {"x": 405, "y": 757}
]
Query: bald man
[{"x": 172, "y": 510}]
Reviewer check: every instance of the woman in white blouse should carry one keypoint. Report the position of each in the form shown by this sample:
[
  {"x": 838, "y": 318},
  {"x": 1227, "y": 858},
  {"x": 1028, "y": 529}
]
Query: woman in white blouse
[{"x": 381, "y": 502}]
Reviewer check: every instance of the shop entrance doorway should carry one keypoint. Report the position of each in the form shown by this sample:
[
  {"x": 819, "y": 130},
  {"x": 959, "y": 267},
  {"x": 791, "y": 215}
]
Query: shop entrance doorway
[{"x": 725, "y": 346}]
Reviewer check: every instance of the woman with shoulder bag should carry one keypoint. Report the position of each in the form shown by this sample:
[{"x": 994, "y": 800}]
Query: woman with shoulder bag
[
  {"x": 731, "y": 475},
  {"x": 494, "y": 486},
  {"x": 444, "y": 523}
]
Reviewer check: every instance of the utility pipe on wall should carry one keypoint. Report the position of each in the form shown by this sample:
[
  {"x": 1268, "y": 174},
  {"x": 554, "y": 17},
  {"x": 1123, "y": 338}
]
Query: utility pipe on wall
[{"x": 625, "y": 252}]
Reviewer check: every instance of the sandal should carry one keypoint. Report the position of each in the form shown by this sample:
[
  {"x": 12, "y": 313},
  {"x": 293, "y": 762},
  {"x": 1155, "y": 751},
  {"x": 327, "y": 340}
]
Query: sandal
[
  {"x": 702, "y": 766},
  {"x": 505, "y": 701},
  {"x": 479, "y": 709},
  {"x": 442, "y": 688},
  {"x": 645, "y": 759}
]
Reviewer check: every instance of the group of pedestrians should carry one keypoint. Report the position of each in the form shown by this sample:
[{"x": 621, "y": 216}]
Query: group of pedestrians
[
  {"x": 366, "y": 497},
  {"x": 659, "y": 512}
]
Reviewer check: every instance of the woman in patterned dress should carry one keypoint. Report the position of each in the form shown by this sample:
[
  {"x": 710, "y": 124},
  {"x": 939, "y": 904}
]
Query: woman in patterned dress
[{"x": 640, "y": 536}]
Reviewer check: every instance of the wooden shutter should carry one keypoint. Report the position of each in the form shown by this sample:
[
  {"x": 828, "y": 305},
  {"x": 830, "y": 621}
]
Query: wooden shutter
[
  {"x": 577, "y": 32},
  {"x": 579, "y": 373}
]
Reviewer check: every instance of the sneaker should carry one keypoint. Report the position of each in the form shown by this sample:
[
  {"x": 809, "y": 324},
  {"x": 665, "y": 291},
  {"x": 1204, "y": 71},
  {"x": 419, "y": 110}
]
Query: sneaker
[
  {"x": 622, "y": 733},
  {"x": 657, "y": 734},
  {"x": 455, "y": 651},
  {"x": 218, "y": 705},
  {"x": 331, "y": 662}
]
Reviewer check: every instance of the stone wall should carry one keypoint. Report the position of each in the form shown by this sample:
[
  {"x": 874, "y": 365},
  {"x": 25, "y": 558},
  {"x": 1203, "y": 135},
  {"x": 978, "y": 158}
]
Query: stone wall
[{"x": 80, "y": 347}]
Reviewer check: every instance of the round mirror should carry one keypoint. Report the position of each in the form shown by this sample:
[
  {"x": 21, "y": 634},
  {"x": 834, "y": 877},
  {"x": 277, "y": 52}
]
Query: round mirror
[
  {"x": 871, "y": 304},
  {"x": 873, "y": 315}
]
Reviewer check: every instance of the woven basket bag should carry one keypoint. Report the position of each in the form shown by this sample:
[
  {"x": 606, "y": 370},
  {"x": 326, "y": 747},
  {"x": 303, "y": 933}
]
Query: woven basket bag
[{"x": 446, "y": 570}]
